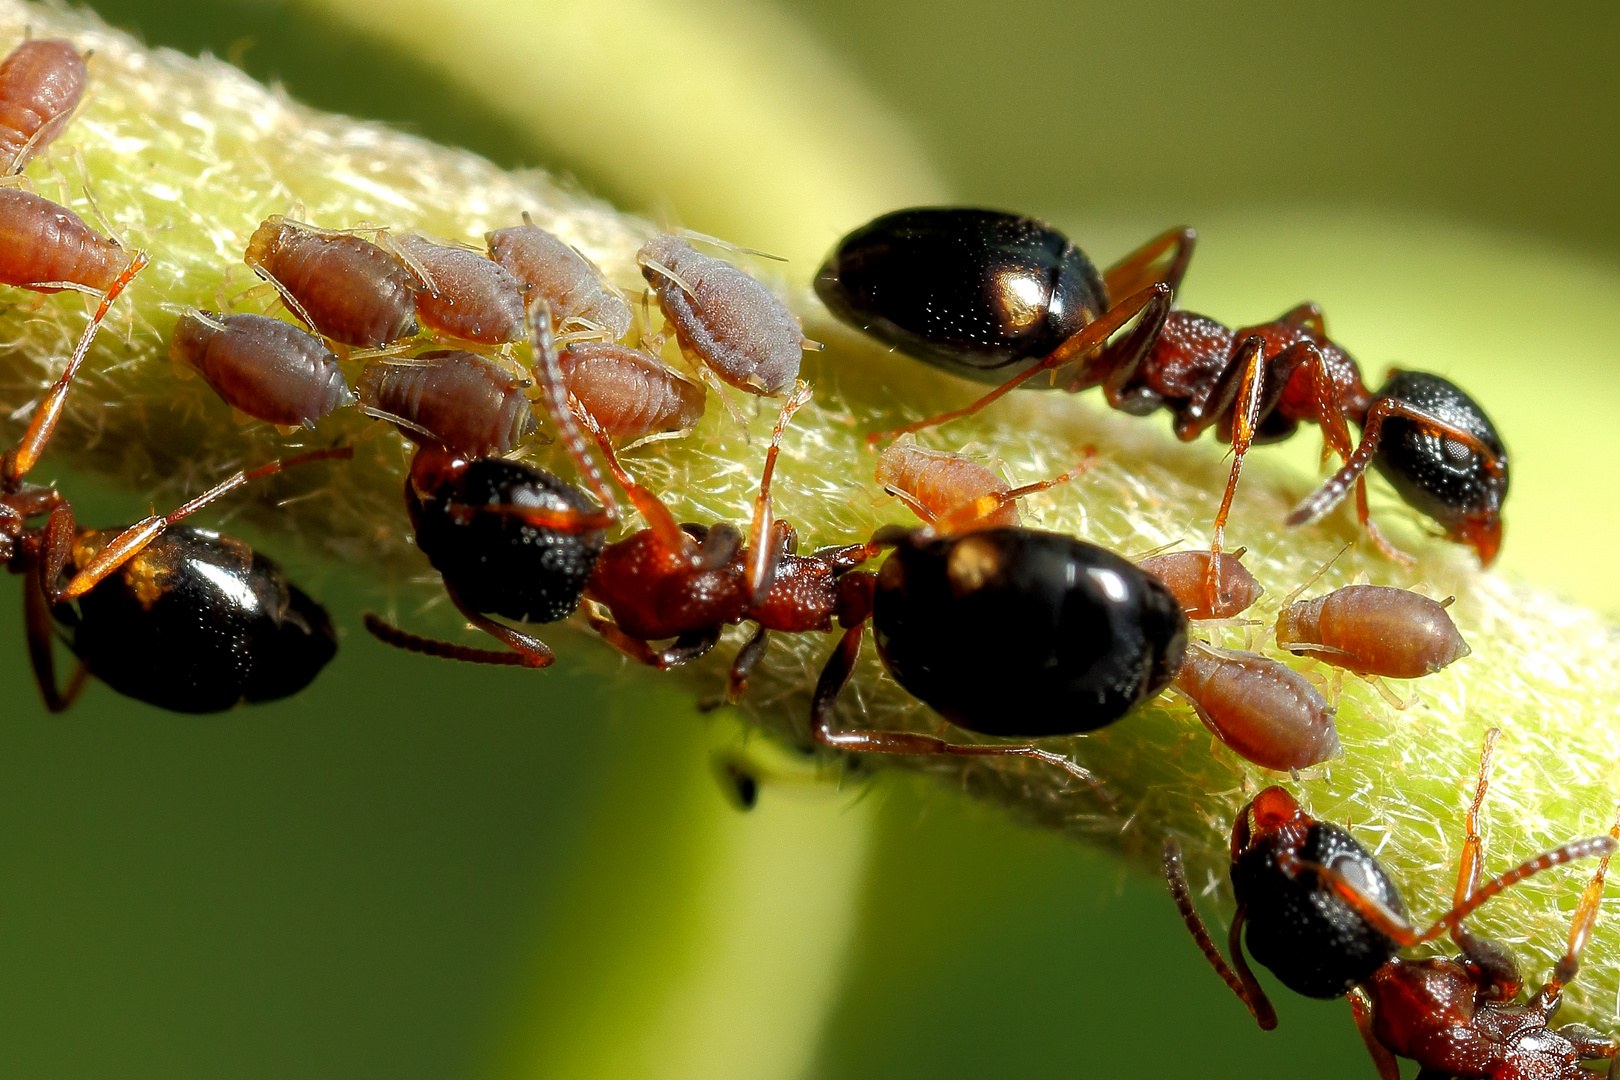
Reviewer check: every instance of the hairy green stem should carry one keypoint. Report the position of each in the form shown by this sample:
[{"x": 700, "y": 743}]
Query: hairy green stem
[{"x": 183, "y": 158}]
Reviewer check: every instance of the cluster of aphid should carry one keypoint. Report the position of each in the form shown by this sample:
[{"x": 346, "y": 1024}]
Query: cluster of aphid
[{"x": 195, "y": 621}]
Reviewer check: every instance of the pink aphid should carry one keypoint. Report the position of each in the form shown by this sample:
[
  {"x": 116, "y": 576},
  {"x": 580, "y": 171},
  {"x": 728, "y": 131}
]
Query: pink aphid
[
  {"x": 40, "y": 85},
  {"x": 1223, "y": 590},
  {"x": 549, "y": 269},
  {"x": 1373, "y": 630},
  {"x": 1264, "y": 710},
  {"x": 629, "y": 392},
  {"x": 466, "y": 403},
  {"x": 724, "y": 317},
  {"x": 343, "y": 286},
  {"x": 464, "y": 294},
  {"x": 265, "y": 368},
  {"x": 47, "y": 248},
  {"x": 955, "y": 493}
]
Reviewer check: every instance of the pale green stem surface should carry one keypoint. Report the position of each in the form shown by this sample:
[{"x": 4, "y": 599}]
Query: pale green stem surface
[{"x": 184, "y": 158}]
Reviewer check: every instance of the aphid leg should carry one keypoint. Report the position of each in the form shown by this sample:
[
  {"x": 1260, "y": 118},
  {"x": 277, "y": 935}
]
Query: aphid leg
[
  {"x": 762, "y": 554},
  {"x": 1335, "y": 487},
  {"x": 1247, "y": 990},
  {"x": 837, "y": 672},
  {"x": 1580, "y": 930},
  {"x": 41, "y": 646},
  {"x": 1151, "y": 305},
  {"x": 129, "y": 543},
  {"x": 1163, "y": 258},
  {"x": 1391, "y": 698},
  {"x": 1383, "y": 1060},
  {"x": 50, "y": 410}
]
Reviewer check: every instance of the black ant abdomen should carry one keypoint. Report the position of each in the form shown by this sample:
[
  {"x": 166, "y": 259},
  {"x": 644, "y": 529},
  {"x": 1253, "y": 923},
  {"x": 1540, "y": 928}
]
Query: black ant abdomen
[
  {"x": 195, "y": 623},
  {"x": 501, "y": 563},
  {"x": 980, "y": 293},
  {"x": 1013, "y": 631}
]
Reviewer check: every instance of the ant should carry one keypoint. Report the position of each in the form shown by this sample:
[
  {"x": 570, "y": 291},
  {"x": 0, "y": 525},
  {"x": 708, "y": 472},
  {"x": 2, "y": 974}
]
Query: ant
[
  {"x": 1002, "y": 298},
  {"x": 1324, "y": 917},
  {"x": 184, "y": 619}
]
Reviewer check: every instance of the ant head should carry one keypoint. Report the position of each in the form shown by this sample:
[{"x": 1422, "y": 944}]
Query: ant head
[
  {"x": 1274, "y": 809},
  {"x": 1442, "y": 477}
]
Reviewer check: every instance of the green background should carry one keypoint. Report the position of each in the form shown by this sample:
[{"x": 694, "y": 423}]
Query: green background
[{"x": 379, "y": 877}]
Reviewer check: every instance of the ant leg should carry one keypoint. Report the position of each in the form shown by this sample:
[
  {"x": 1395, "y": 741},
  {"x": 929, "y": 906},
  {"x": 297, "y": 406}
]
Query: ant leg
[
  {"x": 837, "y": 672},
  {"x": 41, "y": 646},
  {"x": 1307, "y": 316},
  {"x": 1147, "y": 265},
  {"x": 652, "y": 509},
  {"x": 1470, "y": 863},
  {"x": 548, "y": 372},
  {"x": 1247, "y": 989},
  {"x": 1383, "y": 1060},
  {"x": 128, "y": 543},
  {"x": 1245, "y": 419},
  {"x": 49, "y": 412},
  {"x": 389, "y": 634},
  {"x": 748, "y": 658},
  {"x": 1152, "y": 305},
  {"x": 1333, "y": 490},
  {"x": 688, "y": 647},
  {"x": 762, "y": 555},
  {"x": 965, "y": 517},
  {"x": 1580, "y": 929}
]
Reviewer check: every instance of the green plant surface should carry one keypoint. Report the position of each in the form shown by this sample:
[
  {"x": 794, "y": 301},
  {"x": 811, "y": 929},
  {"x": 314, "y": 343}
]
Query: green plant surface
[{"x": 217, "y": 153}]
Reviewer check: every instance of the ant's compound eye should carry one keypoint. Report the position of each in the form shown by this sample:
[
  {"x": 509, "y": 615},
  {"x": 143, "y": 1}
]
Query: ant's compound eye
[{"x": 1456, "y": 453}]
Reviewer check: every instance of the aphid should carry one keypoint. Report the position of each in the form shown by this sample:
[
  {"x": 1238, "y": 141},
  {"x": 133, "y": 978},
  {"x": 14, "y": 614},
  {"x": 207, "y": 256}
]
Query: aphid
[
  {"x": 47, "y": 248},
  {"x": 729, "y": 320},
  {"x": 1373, "y": 630},
  {"x": 1325, "y": 918},
  {"x": 41, "y": 82},
  {"x": 1081, "y": 637},
  {"x": 465, "y": 403},
  {"x": 339, "y": 284},
  {"x": 1207, "y": 584},
  {"x": 1265, "y": 711},
  {"x": 265, "y": 368},
  {"x": 549, "y": 269},
  {"x": 631, "y": 393},
  {"x": 945, "y": 487},
  {"x": 507, "y": 538},
  {"x": 1005, "y": 298},
  {"x": 464, "y": 294}
]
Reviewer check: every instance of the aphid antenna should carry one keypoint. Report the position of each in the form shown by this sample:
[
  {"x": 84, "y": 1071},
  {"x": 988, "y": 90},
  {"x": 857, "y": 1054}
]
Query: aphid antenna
[
  {"x": 654, "y": 265},
  {"x": 705, "y": 238},
  {"x": 1316, "y": 576},
  {"x": 391, "y": 418},
  {"x": 601, "y": 276},
  {"x": 388, "y": 243},
  {"x": 201, "y": 316},
  {"x": 85, "y": 185},
  {"x": 288, "y": 300}
]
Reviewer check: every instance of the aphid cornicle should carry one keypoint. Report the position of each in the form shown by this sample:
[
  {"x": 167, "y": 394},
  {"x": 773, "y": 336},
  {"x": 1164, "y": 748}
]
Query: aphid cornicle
[
  {"x": 727, "y": 319},
  {"x": 550, "y": 270},
  {"x": 41, "y": 82},
  {"x": 265, "y": 368},
  {"x": 465, "y": 294},
  {"x": 1004, "y": 298},
  {"x": 343, "y": 286},
  {"x": 630, "y": 392},
  {"x": 463, "y": 402},
  {"x": 1317, "y": 909}
]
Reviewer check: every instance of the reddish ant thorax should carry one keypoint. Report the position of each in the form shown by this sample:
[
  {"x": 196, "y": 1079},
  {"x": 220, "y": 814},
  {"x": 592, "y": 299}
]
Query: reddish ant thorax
[
  {"x": 630, "y": 392},
  {"x": 549, "y": 269},
  {"x": 263, "y": 367},
  {"x": 464, "y": 294},
  {"x": 342, "y": 286},
  {"x": 466, "y": 403},
  {"x": 1373, "y": 630},
  {"x": 41, "y": 82},
  {"x": 723, "y": 316}
]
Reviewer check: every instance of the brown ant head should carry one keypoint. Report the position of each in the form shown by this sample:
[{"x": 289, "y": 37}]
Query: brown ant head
[{"x": 1443, "y": 477}]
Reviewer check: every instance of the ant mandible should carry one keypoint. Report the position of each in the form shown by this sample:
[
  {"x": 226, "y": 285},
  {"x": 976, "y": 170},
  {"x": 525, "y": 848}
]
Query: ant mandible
[
  {"x": 1002, "y": 298},
  {"x": 1325, "y": 918}
]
